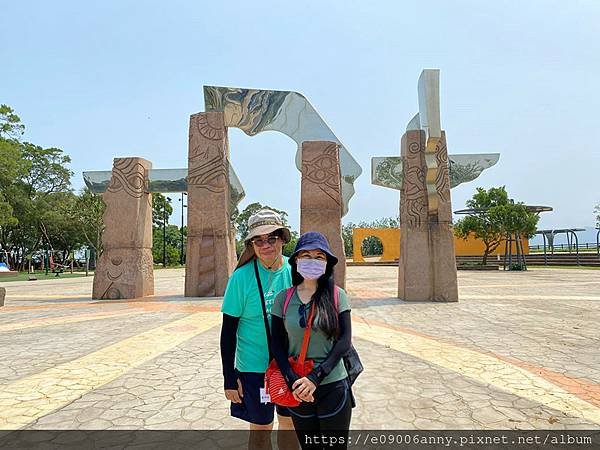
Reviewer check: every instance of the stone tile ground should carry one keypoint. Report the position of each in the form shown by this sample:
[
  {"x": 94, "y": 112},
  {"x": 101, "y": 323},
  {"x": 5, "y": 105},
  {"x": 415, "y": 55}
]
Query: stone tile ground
[{"x": 519, "y": 351}]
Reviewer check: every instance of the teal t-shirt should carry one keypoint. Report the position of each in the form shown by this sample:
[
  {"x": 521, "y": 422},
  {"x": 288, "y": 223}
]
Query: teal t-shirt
[
  {"x": 242, "y": 300},
  {"x": 319, "y": 344}
]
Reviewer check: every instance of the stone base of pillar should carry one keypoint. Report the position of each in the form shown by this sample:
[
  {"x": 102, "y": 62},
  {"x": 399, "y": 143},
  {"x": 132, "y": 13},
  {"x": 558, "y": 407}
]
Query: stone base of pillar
[
  {"x": 123, "y": 274},
  {"x": 414, "y": 270},
  {"x": 445, "y": 288},
  {"x": 207, "y": 270}
]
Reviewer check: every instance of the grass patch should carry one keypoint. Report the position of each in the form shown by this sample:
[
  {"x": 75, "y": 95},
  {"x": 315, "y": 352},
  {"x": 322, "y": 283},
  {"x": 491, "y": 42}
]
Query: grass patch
[{"x": 24, "y": 276}]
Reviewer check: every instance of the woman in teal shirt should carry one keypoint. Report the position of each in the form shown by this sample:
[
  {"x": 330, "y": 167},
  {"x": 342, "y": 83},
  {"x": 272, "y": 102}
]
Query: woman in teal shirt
[{"x": 326, "y": 399}]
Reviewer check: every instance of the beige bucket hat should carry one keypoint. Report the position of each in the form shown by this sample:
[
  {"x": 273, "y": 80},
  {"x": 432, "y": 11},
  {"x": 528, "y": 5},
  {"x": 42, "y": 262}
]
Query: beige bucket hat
[{"x": 264, "y": 221}]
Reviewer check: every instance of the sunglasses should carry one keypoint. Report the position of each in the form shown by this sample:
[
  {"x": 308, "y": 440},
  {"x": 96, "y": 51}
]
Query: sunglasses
[{"x": 271, "y": 240}]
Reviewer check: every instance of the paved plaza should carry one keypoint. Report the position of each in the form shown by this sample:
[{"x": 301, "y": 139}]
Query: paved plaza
[{"x": 521, "y": 350}]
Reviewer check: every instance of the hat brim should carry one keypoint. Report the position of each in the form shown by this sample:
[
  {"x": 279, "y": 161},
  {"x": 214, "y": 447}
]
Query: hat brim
[
  {"x": 268, "y": 229},
  {"x": 248, "y": 253}
]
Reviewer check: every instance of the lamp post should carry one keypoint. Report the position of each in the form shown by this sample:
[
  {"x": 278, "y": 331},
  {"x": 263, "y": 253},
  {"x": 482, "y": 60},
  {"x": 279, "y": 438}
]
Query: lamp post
[
  {"x": 165, "y": 218},
  {"x": 181, "y": 254}
]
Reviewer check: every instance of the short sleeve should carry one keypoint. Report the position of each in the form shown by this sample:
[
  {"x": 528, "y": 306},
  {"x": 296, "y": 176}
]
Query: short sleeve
[
  {"x": 234, "y": 299},
  {"x": 277, "y": 308},
  {"x": 343, "y": 302}
]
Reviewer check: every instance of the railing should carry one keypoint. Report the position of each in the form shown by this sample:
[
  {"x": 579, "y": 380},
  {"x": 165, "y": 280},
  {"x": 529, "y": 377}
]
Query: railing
[{"x": 586, "y": 246}]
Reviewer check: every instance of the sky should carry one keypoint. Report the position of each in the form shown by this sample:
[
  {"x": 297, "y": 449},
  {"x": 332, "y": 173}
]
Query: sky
[{"x": 120, "y": 78}]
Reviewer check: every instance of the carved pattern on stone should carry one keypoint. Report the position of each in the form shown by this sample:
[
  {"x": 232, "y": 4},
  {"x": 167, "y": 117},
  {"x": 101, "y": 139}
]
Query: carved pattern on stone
[
  {"x": 207, "y": 264},
  {"x": 442, "y": 181},
  {"x": 323, "y": 172},
  {"x": 212, "y": 175},
  {"x": 112, "y": 292},
  {"x": 204, "y": 137},
  {"x": 130, "y": 176},
  {"x": 413, "y": 195},
  {"x": 211, "y": 131}
]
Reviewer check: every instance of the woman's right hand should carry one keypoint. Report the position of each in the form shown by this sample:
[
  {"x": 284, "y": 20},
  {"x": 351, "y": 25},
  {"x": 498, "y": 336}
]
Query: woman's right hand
[{"x": 235, "y": 395}]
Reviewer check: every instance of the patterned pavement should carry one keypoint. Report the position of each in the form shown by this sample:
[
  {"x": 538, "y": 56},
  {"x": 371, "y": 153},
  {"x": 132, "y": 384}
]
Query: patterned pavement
[{"x": 519, "y": 351}]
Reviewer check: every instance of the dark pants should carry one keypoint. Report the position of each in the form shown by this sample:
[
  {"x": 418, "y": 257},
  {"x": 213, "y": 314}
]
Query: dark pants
[
  {"x": 251, "y": 409},
  {"x": 325, "y": 422}
]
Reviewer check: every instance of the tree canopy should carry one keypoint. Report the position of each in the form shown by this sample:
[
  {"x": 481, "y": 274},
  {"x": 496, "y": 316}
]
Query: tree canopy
[
  {"x": 38, "y": 209},
  {"x": 495, "y": 217}
]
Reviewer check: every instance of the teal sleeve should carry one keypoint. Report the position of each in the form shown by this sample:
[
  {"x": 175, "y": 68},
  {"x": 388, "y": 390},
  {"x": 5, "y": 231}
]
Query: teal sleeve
[
  {"x": 343, "y": 302},
  {"x": 234, "y": 299},
  {"x": 277, "y": 308}
]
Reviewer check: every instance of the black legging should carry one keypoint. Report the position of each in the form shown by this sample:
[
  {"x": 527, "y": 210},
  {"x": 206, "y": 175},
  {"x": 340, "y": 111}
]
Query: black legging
[{"x": 325, "y": 422}]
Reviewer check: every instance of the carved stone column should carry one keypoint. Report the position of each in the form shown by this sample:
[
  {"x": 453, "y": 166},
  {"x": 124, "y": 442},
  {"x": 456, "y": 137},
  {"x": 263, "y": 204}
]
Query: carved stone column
[
  {"x": 210, "y": 244},
  {"x": 125, "y": 268},
  {"x": 427, "y": 266},
  {"x": 321, "y": 200},
  {"x": 445, "y": 287}
]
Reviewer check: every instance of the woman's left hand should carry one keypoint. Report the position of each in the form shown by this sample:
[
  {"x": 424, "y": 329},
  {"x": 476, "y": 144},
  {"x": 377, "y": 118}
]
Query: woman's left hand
[{"x": 303, "y": 389}]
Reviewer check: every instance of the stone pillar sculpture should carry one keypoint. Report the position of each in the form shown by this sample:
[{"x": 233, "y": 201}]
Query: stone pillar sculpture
[
  {"x": 427, "y": 267},
  {"x": 211, "y": 239},
  {"x": 321, "y": 199},
  {"x": 125, "y": 268}
]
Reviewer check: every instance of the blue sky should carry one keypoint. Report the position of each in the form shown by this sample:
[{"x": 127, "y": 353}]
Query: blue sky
[{"x": 120, "y": 78}]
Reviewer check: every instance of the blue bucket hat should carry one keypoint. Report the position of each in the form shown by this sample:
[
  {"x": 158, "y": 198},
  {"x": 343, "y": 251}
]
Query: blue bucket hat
[{"x": 313, "y": 240}]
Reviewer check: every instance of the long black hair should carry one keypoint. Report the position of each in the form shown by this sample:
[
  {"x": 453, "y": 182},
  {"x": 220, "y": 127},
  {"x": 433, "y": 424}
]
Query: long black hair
[{"x": 326, "y": 315}]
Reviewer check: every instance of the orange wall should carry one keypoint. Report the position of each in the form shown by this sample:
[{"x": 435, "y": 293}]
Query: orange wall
[{"x": 390, "y": 238}]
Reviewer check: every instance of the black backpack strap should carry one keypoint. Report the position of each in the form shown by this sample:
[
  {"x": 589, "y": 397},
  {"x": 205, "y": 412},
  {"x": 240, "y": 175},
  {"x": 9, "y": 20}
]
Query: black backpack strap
[{"x": 264, "y": 308}]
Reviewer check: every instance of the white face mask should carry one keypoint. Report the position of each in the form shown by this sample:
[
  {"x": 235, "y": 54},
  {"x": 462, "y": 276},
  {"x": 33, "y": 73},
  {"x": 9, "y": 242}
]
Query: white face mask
[{"x": 311, "y": 269}]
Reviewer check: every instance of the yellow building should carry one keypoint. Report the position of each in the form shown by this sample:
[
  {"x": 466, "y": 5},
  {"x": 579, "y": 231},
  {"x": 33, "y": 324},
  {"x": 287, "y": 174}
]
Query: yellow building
[{"x": 390, "y": 239}]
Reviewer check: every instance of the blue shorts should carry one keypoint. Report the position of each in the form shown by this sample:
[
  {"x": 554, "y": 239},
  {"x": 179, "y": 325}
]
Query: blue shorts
[{"x": 251, "y": 409}]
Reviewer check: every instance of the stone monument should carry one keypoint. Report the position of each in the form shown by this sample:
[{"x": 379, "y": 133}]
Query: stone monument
[
  {"x": 427, "y": 267},
  {"x": 211, "y": 253},
  {"x": 214, "y": 190},
  {"x": 321, "y": 199},
  {"x": 125, "y": 268}
]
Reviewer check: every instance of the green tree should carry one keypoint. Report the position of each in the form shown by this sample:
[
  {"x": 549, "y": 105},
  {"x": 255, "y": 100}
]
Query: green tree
[
  {"x": 9, "y": 158},
  {"x": 347, "y": 238},
  {"x": 57, "y": 225},
  {"x": 10, "y": 123},
  {"x": 288, "y": 248},
  {"x": 12, "y": 164},
  {"x": 161, "y": 210},
  {"x": 494, "y": 217},
  {"x": 47, "y": 170},
  {"x": 35, "y": 195},
  {"x": 88, "y": 211},
  {"x": 173, "y": 245},
  {"x": 39, "y": 197}
]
